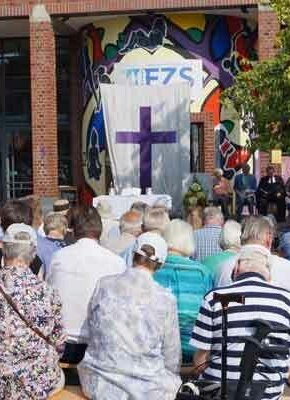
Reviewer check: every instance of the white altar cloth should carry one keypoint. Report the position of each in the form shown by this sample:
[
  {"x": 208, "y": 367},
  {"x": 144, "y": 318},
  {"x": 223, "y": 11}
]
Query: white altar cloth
[{"x": 120, "y": 204}]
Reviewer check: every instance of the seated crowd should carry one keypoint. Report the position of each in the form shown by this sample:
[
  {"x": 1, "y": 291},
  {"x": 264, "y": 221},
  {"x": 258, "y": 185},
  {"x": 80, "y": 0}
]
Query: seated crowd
[{"x": 131, "y": 302}]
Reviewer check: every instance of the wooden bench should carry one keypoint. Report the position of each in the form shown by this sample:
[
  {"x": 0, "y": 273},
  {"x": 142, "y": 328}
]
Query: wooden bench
[
  {"x": 69, "y": 393},
  {"x": 75, "y": 393}
]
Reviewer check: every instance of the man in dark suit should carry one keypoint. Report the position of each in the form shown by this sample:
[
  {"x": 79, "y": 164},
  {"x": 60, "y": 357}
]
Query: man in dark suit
[{"x": 271, "y": 191}]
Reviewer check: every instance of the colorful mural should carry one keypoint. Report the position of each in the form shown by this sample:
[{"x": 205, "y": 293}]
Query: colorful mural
[{"x": 221, "y": 42}]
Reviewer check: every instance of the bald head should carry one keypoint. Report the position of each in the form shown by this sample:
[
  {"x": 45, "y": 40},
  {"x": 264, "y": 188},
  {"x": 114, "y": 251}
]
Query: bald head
[{"x": 131, "y": 222}]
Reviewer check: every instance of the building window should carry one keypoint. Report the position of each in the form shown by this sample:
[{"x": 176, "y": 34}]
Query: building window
[
  {"x": 196, "y": 147},
  {"x": 63, "y": 112},
  {"x": 15, "y": 119}
]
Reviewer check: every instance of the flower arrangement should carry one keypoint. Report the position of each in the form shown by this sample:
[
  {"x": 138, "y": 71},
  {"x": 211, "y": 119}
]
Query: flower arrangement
[{"x": 195, "y": 196}]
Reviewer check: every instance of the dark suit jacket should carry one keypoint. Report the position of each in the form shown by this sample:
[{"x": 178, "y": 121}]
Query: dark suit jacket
[{"x": 268, "y": 190}]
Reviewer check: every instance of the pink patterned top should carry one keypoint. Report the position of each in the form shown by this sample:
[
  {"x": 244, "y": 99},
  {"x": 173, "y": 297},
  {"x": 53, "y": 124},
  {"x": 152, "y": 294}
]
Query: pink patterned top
[{"x": 28, "y": 364}]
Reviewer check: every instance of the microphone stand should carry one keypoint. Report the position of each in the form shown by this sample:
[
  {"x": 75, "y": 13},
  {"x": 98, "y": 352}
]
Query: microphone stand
[{"x": 225, "y": 299}]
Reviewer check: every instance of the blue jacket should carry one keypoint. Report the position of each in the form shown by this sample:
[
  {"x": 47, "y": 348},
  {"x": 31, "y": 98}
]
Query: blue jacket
[
  {"x": 46, "y": 247},
  {"x": 240, "y": 185}
]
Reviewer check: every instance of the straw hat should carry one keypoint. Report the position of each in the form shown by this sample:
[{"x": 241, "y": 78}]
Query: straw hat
[{"x": 61, "y": 206}]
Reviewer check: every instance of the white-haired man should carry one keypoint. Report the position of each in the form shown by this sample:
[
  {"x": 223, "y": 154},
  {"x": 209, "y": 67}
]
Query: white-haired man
[
  {"x": 207, "y": 238},
  {"x": 130, "y": 227},
  {"x": 261, "y": 300},
  {"x": 258, "y": 233},
  {"x": 230, "y": 243},
  {"x": 55, "y": 228}
]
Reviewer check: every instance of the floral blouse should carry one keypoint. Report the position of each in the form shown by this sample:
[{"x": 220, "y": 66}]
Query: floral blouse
[
  {"x": 134, "y": 350},
  {"x": 28, "y": 364}
]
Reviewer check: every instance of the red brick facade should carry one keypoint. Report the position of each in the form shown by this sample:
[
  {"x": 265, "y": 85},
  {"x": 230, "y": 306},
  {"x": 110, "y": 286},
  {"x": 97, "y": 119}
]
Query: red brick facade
[
  {"x": 20, "y": 8},
  {"x": 43, "y": 77},
  {"x": 44, "y": 109},
  {"x": 268, "y": 26},
  {"x": 206, "y": 119}
]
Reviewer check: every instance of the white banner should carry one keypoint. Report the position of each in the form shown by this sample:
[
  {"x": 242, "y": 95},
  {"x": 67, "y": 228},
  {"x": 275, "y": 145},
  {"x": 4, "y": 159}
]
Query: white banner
[
  {"x": 148, "y": 137},
  {"x": 188, "y": 71}
]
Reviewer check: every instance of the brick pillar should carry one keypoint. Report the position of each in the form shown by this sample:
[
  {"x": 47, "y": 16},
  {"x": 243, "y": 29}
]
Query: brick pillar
[
  {"x": 43, "y": 103},
  {"x": 208, "y": 149},
  {"x": 268, "y": 27}
]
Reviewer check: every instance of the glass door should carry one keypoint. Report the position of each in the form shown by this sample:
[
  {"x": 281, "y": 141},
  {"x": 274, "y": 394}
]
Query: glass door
[
  {"x": 18, "y": 162},
  {"x": 15, "y": 127}
]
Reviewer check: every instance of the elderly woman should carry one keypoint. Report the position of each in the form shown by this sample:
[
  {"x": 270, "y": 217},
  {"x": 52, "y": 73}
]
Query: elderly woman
[
  {"x": 31, "y": 331},
  {"x": 188, "y": 280},
  {"x": 221, "y": 191},
  {"x": 134, "y": 348}
]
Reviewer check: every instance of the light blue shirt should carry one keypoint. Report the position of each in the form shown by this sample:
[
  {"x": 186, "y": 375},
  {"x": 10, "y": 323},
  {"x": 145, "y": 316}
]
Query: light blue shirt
[
  {"x": 207, "y": 241},
  {"x": 134, "y": 349},
  {"x": 127, "y": 255}
]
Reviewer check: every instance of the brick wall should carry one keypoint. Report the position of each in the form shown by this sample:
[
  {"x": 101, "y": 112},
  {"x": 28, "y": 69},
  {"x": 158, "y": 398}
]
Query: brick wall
[
  {"x": 10, "y": 8},
  {"x": 44, "y": 109},
  {"x": 206, "y": 119},
  {"x": 43, "y": 73},
  {"x": 268, "y": 26}
]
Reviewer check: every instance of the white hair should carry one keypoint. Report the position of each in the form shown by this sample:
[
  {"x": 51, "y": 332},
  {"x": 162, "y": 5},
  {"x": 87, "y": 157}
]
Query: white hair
[
  {"x": 25, "y": 251},
  {"x": 253, "y": 260},
  {"x": 179, "y": 235},
  {"x": 213, "y": 215},
  {"x": 54, "y": 221},
  {"x": 230, "y": 235},
  {"x": 155, "y": 219},
  {"x": 218, "y": 172},
  {"x": 256, "y": 229}
]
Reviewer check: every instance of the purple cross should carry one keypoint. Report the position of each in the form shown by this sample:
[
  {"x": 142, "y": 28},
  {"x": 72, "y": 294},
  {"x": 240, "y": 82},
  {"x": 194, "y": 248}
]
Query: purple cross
[{"x": 146, "y": 138}]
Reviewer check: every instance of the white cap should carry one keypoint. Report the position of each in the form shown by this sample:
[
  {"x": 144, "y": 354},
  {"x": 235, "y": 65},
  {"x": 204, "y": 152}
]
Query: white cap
[
  {"x": 154, "y": 240},
  {"x": 15, "y": 229}
]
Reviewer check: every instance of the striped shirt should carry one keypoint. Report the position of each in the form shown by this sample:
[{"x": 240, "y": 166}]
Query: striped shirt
[
  {"x": 262, "y": 301},
  {"x": 206, "y": 241}
]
